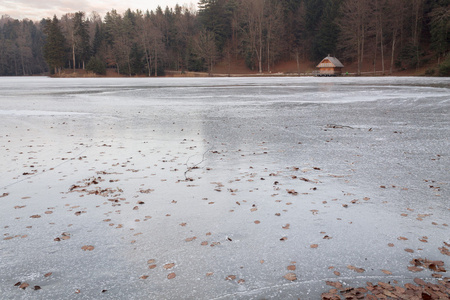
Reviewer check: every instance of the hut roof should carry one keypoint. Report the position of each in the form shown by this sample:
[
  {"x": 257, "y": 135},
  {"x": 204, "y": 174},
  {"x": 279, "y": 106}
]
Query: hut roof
[{"x": 332, "y": 62}]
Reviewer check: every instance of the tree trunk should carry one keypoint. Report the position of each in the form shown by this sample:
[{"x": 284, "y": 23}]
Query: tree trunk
[
  {"x": 393, "y": 52},
  {"x": 382, "y": 47},
  {"x": 156, "y": 62},
  {"x": 73, "y": 55}
]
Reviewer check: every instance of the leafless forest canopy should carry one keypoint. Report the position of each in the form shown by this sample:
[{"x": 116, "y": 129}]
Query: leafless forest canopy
[{"x": 394, "y": 34}]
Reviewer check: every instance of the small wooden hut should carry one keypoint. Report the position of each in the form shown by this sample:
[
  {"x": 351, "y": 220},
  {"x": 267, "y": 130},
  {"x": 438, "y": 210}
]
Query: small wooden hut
[{"x": 330, "y": 66}]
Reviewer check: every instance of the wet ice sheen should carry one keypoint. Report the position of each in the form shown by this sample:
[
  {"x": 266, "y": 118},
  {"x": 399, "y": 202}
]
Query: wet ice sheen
[{"x": 347, "y": 136}]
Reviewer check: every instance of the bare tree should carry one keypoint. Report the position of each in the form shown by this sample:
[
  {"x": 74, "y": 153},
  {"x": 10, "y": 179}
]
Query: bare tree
[
  {"x": 67, "y": 22},
  {"x": 205, "y": 46},
  {"x": 354, "y": 24}
]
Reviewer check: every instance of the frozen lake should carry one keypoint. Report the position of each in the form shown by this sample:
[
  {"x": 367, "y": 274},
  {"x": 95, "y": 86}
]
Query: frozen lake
[{"x": 218, "y": 188}]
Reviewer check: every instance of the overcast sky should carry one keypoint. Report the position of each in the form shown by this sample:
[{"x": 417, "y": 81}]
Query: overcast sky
[{"x": 38, "y": 9}]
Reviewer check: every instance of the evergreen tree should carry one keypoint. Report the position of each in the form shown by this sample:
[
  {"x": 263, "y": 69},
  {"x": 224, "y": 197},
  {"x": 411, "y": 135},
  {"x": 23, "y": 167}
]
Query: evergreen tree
[
  {"x": 54, "y": 49},
  {"x": 81, "y": 36}
]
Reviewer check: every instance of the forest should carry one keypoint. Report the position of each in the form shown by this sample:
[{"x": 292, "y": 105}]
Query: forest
[{"x": 389, "y": 34}]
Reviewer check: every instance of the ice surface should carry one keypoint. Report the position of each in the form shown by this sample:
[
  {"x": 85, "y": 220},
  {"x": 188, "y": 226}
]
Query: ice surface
[{"x": 367, "y": 157}]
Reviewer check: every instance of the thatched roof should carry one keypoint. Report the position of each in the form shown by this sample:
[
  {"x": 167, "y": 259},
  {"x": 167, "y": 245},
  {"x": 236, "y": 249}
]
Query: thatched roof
[{"x": 330, "y": 62}]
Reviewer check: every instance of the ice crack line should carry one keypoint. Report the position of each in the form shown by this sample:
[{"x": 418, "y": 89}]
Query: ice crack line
[{"x": 188, "y": 169}]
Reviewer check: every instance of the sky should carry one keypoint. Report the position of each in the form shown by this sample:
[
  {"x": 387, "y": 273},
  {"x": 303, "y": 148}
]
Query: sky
[{"x": 38, "y": 9}]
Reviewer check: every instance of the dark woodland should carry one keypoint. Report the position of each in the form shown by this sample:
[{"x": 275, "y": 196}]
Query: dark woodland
[{"x": 390, "y": 34}]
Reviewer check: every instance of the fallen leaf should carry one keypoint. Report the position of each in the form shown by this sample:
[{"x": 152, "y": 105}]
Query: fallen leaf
[
  {"x": 415, "y": 269},
  {"x": 284, "y": 238},
  {"x": 144, "y": 277},
  {"x": 171, "y": 276},
  {"x": 24, "y": 285},
  {"x": 230, "y": 277},
  {"x": 335, "y": 284},
  {"x": 409, "y": 250},
  {"x": 152, "y": 266},
  {"x": 286, "y": 226},
  {"x": 37, "y": 288},
  {"x": 241, "y": 281},
  {"x": 87, "y": 248},
  {"x": 35, "y": 216},
  {"x": 190, "y": 239},
  {"x": 290, "y": 276},
  {"x": 48, "y": 274},
  {"x": 337, "y": 273},
  {"x": 291, "y": 268},
  {"x": 169, "y": 266},
  {"x": 386, "y": 272},
  {"x": 391, "y": 245},
  {"x": 314, "y": 246},
  {"x": 209, "y": 274},
  {"x": 257, "y": 222}
]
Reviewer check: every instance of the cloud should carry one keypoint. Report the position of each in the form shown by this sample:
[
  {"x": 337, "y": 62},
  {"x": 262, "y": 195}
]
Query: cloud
[{"x": 36, "y": 10}]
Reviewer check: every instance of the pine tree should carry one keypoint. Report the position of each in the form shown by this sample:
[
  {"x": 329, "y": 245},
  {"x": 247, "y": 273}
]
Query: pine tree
[
  {"x": 81, "y": 36},
  {"x": 54, "y": 50}
]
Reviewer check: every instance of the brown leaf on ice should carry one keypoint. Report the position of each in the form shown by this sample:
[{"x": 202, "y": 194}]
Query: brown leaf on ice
[
  {"x": 291, "y": 268},
  {"x": 257, "y": 222},
  {"x": 358, "y": 270},
  {"x": 444, "y": 250},
  {"x": 391, "y": 245},
  {"x": 17, "y": 283},
  {"x": 37, "y": 288},
  {"x": 209, "y": 274},
  {"x": 152, "y": 266},
  {"x": 144, "y": 277},
  {"x": 191, "y": 239},
  {"x": 335, "y": 284},
  {"x": 24, "y": 285},
  {"x": 77, "y": 291},
  {"x": 292, "y": 192},
  {"x": 171, "y": 276},
  {"x": 169, "y": 266},
  {"x": 35, "y": 216},
  {"x": 284, "y": 238},
  {"x": 386, "y": 272},
  {"x": 290, "y": 276},
  {"x": 337, "y": 273},
  {"x": 314, "y": 246},
  {"x": 87, "y": 248},
  {"x": 241, "y": 281},
  {"x": 48, "y": 274},
  {"x": 4, "y": 195},
  {"x": 415, "y": 269},
  {"x": 205, "y": 243},
  {"x": 253, "y": 209},
  {"x": 402, "y": 238},
  {"x": 183, "y": 224},
  {"x": 230, "y": 277},
  {"x": 286, "y": 226},
  {"x": 409, "y": 250}
]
